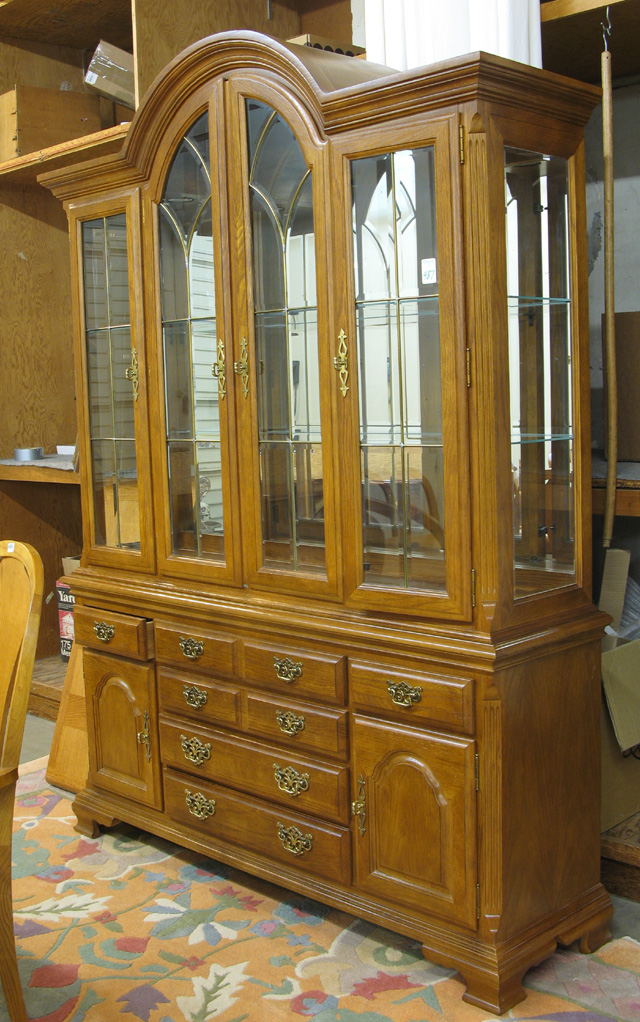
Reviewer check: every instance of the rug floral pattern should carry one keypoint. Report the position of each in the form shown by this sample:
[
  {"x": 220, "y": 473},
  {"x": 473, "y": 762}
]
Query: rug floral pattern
[{"x": 131, "y": 927}]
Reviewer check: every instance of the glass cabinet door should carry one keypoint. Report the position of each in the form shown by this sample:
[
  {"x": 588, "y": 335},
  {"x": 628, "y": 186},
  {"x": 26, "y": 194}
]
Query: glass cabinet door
[
  {"x": 541, "y": 391},
  {"x": 194, "y": 354},
  {"x": 114, "y": 389},
  {"x": 285, "y": 325},
  {"x": 412, "y": 486}
]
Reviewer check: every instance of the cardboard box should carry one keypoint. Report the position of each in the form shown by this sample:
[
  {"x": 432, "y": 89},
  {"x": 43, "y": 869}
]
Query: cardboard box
[
  {"x": 111, "y": 73},
  {"x": 66, "y": 601},
  {"x": 32, "y": 119},
  {"x": 70, "y": 564},
  {"x": 620, "y": 785},
  {"x": 627, "y": 329}
]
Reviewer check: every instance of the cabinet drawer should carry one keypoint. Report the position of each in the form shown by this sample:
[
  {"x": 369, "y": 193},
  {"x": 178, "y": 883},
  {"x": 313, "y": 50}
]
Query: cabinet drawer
[
  {"x": 114, "y": 633},
  {"x": 196, "y": 647},
  {"x": 294, "y": 671},
  {"x": 309, "y": 845},
  {"x": 201, "y": 699},
  {"x": 441, "y": 700},
  {"x": 297, "y": 725},
  {"x": 260, "y": 770}
]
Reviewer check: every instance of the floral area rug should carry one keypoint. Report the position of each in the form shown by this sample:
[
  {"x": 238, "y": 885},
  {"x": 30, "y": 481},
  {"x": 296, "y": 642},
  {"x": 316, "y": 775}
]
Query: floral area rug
[{"x": 131, "y": 927}]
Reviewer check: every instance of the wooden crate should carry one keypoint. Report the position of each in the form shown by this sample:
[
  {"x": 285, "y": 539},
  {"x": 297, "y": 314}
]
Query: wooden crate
[{"x": 32, "y": 119}]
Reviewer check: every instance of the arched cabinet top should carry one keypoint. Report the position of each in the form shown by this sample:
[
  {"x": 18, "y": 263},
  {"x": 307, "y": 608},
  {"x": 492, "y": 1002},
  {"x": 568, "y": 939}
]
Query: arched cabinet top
[{"x": 339, "y": 92}]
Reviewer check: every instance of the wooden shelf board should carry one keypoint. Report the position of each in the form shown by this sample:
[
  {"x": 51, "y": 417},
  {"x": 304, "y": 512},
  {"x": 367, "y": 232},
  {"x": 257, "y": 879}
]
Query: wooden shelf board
[
  {"x": 32, "y": 473},
  {"x": 24, "y": 170},
  {"x": 572, "y": 38},
  {"x": 78, "y": 23}
]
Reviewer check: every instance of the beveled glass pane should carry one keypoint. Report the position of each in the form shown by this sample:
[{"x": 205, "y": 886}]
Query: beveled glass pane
[
  {"x": 539, "y": 320},
  {"x": 128, "y": 511},
  {"x": 273, "y": 376},
  {"x": 293, "y": 506},
  {"x": 123, "y": 406},
  {"x": 115, "y": 494},
  {"x": 104, "y": 492},
  {"x": 117, "y": 269},
  {"x": 379, "y": 374},
  {"x": 399, "y": 370},
  {"x": 210, "y": 509},
  {"x": 277, "y": 165},
  {"x": 177, "y": 369},
  {"x": 188, "y": 183},
  {"x": 301, "y": 251},
  {"x": 304, "y": 375},
  {"x": 373, "y": 226},
  {"x": 268, "y": 261},
  {"x": 205, "y": 386},
  {"x": 422, "y": 386},
  {"x": 173, "y": 269},
  {"x": 94, "y": 273},
  {"x": 424, "y": 514},
  {"x": 276, "y": 488},
  {"x": 99, "y": 384},
  {"x": 182, "y": 488},
  {"x": 201, "y": 279}
]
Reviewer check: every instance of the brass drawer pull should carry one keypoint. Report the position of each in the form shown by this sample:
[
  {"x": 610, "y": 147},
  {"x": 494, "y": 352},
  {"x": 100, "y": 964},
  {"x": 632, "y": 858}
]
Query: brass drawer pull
[
  {"x": 359, "y": 806},
  {"x": 294, "y": 841},
  {"x": 286, "y": 669},
  {"x": 198, "y": 805},
  {"x": 144, "y": 737},
  {"x": 192, "y": 648},
  {"x": 103, "y": 631},
  {"x": 195, "y": 750},
  {"x": 289, "y": 723},
  {"x": 403, "y": 694},
  {"x": 194, "y": 697},
  {"x": 289, "y": 780}
]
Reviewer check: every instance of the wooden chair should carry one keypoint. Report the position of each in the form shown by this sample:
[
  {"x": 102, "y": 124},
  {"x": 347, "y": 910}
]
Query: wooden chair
[{"x": 21, "y": 586}]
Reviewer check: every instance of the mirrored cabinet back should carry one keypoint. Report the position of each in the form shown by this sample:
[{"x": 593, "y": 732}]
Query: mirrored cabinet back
[{"x": 335, "y": 590}]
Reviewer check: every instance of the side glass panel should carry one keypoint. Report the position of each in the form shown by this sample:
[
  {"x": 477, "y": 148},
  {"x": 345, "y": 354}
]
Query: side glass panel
[
  {"x": 191, "y": 351},
  {"x": 111, "y": 363},
  {"x": 397, "y": 318},
  {"x": 286, "y": 334},
  {"x": 542, "y": 429}
]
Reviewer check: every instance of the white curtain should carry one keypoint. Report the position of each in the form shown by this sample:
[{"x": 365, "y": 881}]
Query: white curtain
[{"x": 409, "y": 33}]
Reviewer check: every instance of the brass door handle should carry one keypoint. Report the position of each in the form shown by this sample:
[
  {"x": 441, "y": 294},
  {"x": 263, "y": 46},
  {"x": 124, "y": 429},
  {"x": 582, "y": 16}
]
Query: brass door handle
[
  {"x": 219, "y": 371},
  {"x": 144, "y": 737},
  {"x": 341, "y": 362},
  {"x": 132, "y": 373},
  {"x": 241, "y": 367},
  {"x": 359, "y": 806}
]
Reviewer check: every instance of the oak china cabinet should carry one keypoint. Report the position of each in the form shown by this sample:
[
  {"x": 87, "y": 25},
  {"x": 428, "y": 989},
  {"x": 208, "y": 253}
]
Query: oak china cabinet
[{"x": 335, "y": 590}]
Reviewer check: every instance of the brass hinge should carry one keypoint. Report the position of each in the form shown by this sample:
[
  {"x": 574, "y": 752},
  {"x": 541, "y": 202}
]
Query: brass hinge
[
  {"x": 473, "y": 587},
  {"x": 461, "y": 133},
  {"x": 477, "y": 901},
  {"x": 477, "y": 772},
  {"x": 468, "y": 367}
]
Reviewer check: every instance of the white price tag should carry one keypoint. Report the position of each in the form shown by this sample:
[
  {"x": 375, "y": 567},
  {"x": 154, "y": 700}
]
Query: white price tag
[{"x": 429, "y": 271}]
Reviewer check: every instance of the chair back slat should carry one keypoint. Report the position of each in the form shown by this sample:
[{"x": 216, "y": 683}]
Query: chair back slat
[{"x": 21, "y": 588}]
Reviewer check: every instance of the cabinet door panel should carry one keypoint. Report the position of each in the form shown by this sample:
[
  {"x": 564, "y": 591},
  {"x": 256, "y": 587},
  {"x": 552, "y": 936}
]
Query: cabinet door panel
[
  {"x": 403, "y": 402},
  {"x": 419, "y": 839},
  {"x": 121, "y": 721},
  {"x": 112, "y": 416}
]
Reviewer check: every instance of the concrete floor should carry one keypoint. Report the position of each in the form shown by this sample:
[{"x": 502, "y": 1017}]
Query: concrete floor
[{"x": 38, "y": 734}]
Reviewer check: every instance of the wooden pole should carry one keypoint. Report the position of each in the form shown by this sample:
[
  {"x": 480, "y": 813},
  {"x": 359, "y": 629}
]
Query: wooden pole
[{"x": 611, "y": 396}]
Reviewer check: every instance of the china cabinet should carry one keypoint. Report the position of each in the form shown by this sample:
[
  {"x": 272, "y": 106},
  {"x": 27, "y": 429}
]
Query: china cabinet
[{"x": 335, "y": 589}]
